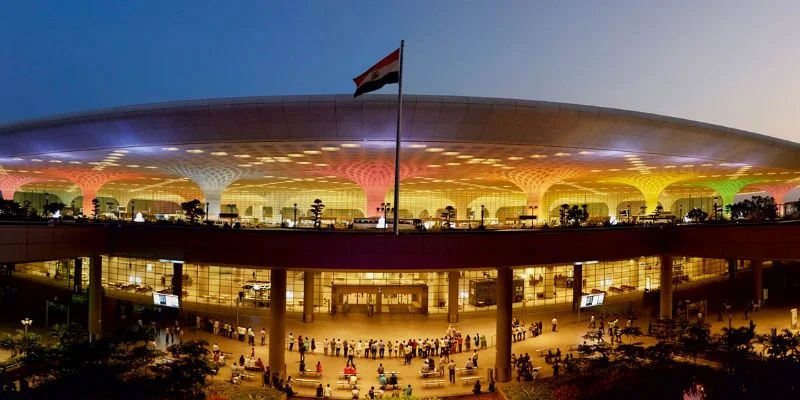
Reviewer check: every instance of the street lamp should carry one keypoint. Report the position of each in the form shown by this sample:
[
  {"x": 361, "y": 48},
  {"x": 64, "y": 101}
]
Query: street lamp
[
  {"x": 629, "y": 213},
  {"x": 295, "y": 216},
  {"x": 385, "y": 208},
  {"x": 26, "y": 323},
  {"x": 133, "y": 210},
  {"x": 482, "y": 213},
  {"x": 207, "y": 211},
  {"x": 46, "y": 203}
]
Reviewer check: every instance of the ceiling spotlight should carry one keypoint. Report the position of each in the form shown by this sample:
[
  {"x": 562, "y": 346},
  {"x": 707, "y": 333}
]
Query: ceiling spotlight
[
  {"x": 328, "y": 148},
  {"x": 219, "y": 153},
  {"x": 417, "y": 146},
  {"x": 194, "y": 151},
  {"x": 435, "y": 150},
  {"x": 350, "y": 145},
  {"x": 169, "y": 148}
]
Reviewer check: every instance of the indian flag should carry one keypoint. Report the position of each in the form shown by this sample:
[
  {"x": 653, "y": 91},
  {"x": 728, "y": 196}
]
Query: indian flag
[{"x": 386, "y": 71}]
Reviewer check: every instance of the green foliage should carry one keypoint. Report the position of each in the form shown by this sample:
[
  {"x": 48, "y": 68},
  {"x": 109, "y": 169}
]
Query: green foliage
[
  {"x": 192, "y": 210},
  {"x": 316, "y": 212},
  {"x": 697, "y": 215},
  {"x": 121, "y": 367},
  {"x": 573, "y": 216},
  {"x": 757, "y": 208},
  {"x": 52, "y": 208}
]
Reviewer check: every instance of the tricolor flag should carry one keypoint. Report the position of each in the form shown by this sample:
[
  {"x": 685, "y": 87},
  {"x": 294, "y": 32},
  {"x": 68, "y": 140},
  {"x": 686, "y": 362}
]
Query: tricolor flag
[{"x": 386, "y": 71}]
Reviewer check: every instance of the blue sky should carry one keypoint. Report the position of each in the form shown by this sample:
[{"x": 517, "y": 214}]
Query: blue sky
[{"x": 733, "y": 63}]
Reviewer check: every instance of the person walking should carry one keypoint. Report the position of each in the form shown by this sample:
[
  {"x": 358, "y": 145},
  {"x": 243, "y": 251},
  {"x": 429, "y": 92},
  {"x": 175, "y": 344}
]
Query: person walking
[
  {"x": 291, "y": 341},
  {"x": 591, "y": 322},
  {"x": 451, "y": 368},
  {"x": 555, "y": 323}
]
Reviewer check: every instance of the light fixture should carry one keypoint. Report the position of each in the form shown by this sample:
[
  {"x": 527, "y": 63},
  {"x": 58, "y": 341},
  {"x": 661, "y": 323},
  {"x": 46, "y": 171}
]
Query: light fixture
[
  {"x": 169, "y": 148},
  {"x": 350, "y": 145},
  {"x": 329, "y": 148},
  {"x": 194, "y": 151},
  {"x": 311, "y": 151},
  {"x": 434, "y": 150},
  {"x": 219, "y": 153}
]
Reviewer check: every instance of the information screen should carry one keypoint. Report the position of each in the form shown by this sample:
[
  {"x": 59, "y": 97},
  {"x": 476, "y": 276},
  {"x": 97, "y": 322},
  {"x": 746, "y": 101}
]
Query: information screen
[
  {"x": 591, "y": 300},
  {"x": 166, "y": 300}
]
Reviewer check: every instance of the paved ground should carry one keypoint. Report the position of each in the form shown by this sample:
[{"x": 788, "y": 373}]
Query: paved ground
[
  {"x": 393, "y": 328},
  {"x": 570, "y": 332}
]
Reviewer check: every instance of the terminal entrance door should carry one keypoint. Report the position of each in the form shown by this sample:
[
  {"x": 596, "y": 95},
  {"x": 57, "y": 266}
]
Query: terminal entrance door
[{"x": 376, "y": 299}]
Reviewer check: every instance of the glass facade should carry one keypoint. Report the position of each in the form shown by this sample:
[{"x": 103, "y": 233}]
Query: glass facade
[{"x": 223, "y": 288}]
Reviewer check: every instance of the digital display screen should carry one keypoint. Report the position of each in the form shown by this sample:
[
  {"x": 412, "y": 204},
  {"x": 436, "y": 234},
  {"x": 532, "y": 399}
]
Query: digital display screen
[
  {"x": 591, "y": 300},
  {"x": 166, "y": 300}
]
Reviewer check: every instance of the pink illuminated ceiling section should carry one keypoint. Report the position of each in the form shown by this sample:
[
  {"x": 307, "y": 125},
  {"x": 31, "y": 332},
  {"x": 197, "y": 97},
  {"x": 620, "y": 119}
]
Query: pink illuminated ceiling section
[
  {"x": 9, "y": 184},
  {"x": 375, "y": 178},
  {"x": 89, "y": 181}
]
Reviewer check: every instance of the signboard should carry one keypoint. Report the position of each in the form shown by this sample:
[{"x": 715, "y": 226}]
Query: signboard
[
  {"x": 166, "y": 300},
  {"x": 794, "y": 318},
  {"x": 591, "y": 300}
]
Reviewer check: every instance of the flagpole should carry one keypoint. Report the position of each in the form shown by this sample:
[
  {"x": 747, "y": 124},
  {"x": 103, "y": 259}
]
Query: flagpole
[{"x": 397, "y": 143}]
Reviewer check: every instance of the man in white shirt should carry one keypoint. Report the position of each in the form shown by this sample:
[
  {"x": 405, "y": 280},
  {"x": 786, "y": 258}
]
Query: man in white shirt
[
  {"x": 355, "y": 393},
  {"x": 327, "y": 393}
]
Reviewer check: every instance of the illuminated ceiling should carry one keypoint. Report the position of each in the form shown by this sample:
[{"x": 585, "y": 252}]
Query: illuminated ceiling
[{"x": 309, "y": 143}]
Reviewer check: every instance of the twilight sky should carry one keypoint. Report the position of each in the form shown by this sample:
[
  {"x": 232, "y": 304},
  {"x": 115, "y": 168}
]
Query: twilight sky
[{"x": 728, "y": 62}]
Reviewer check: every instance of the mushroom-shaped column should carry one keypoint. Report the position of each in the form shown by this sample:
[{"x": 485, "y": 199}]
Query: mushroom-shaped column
[
  {"x": 212, "y": 180},
  {"x": 778, "y": 191},
  {"x": 727, "y": 188},
  {"x": 90, "y": 182},
  {"x": 375, "y": 178},
  {"x": 536, "y": 181},
  {"x": 9, "y": 184},
  {"x": 651, "y": 185}
]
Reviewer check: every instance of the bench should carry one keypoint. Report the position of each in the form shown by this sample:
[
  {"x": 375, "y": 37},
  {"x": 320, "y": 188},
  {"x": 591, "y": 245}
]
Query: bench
[
  {"x": 306, "y": 382},
  {"x": 628, "y": 288},
  {"x": 436, "y": 382},
  {"x": 344, "y": 385},
  {"x": 428, "y": 374},
  {"x": 311, "y": 372},
  {"x": 342, "y": 375},
  {"x": 465, "y": 371},
  {"x": 470, "y": 379}
]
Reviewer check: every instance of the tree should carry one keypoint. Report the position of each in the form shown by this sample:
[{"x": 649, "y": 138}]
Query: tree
[
  {"x": 192, "y": 210},
  {"x": 780, "y": 346},
  {"x": 659, "y": 209},
  {"x": 10, "y": 209},
  {"x": 95, "y": 207},
  {"x": 695, "y": 339},
  {"x": 757, "y": 208},
  {"x": 697, "y": 215},
  {"x": 448, "y": 214},
  {"x": 316, "y": 212},
  {"x": 52, "y": 208}
]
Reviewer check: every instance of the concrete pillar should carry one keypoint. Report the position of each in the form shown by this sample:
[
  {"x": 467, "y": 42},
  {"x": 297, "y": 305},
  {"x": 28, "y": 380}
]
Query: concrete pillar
[
  {"x": 665, "y": 285},
  {"x": 378, "y": 302},
  {"x": 77, "y": 285},
  {"x": 505, "y": 288},
  {"x": 577, "y": 285},
  {"x": 453, "y": 278},
  {"x": 177, "y": 282},
  {"x": 277, "y": 325},
  {"x": 95, "y": 297},
  {"x": 308, "y": 296},
  {"x": 731, "y": 269},
  {"x": 758, "y": 281}
]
